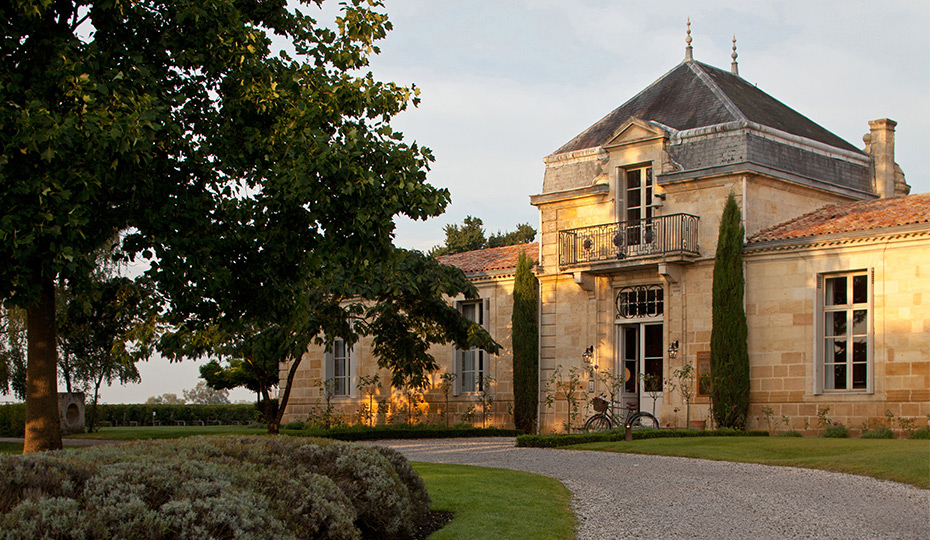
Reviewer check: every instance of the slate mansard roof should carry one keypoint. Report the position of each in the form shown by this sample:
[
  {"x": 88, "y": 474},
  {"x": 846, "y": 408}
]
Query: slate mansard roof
[
  {"x": 851, "y": 218},
  {"x": 718, "y": 123},
  {"x": 491, "y": 259},
  {"x": 695, "y": 95}
]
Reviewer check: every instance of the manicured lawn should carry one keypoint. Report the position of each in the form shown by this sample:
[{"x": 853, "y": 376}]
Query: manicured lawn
[
  {"x": 498, "y": 503},
  {"x": 903, "y": 461},
  {"x": 166, "y": 432},
  {"x": 11, "y": 448}
]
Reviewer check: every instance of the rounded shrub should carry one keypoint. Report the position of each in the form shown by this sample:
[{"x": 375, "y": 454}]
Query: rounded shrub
[
  {"x": 212, "y": 487},
  {"x": 39, "y": 476},
  {"x": 51, "y": 518},
  {"x": 381, "y": 500},
  {"x": 836, "y": 431},
  {"x": 922, "y": 433}
]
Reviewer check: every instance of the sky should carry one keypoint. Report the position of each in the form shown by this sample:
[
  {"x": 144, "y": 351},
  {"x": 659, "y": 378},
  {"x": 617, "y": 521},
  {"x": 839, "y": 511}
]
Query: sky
[{"x": 506, "y": 82}]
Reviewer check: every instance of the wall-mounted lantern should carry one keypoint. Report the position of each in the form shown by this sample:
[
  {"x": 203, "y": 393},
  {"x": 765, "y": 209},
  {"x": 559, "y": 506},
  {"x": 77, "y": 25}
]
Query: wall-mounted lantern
[
  {"x": 673, "y": 349},
  {"x": 588, "y": 354}
]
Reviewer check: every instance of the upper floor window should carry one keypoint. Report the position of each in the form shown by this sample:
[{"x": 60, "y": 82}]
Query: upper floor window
[
  {"x": 637, "y": 209},
  {"x": 845, "y": 332},
  {"x": 471, "y": 365}
]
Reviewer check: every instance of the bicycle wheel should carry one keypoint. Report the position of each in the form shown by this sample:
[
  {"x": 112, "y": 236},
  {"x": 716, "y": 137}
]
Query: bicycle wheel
[
  {"x": 644, "y": 420},
  {"x": 598, "y": 422}
]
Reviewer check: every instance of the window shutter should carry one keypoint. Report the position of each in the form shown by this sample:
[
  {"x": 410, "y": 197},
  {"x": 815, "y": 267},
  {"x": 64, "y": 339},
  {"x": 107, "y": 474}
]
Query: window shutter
[
  {"x": 350, "y": 370},
  {"x": 485, "y": 314},
  {"x": 817, "y": 361},
  {"x": 328, "y": 362},
  {"x": 486, "y": 324},
  {"x": 457, "y": 369},
  {"x": 870, "y": 386}
]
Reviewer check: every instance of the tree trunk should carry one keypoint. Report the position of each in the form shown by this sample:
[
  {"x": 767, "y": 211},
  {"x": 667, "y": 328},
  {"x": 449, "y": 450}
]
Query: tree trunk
[
  {"x": 272, "y": 420},
  {"x": 43, "y": 424},
  {"x": 93, "y": 405},
  {"x": 285, "y": 395}
]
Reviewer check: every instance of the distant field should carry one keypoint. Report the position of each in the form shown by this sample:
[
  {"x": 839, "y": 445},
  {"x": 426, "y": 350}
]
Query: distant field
[{"x": 167, "y": 432}]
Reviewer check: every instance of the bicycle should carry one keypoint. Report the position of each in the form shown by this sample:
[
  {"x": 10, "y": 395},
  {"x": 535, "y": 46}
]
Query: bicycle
[{"x": 605, "y": 419}]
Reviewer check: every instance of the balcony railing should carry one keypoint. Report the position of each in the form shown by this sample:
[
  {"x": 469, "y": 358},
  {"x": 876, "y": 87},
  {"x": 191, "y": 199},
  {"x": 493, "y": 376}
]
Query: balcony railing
[{"x": 672, "y": 234}]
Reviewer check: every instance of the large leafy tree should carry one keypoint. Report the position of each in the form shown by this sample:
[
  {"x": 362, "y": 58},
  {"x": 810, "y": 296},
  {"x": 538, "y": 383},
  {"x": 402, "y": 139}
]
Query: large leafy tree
[
  {"x": 252, "y": 182},
  {"x": 729, "y": 353},
  {"x": 525, "y": 325}
]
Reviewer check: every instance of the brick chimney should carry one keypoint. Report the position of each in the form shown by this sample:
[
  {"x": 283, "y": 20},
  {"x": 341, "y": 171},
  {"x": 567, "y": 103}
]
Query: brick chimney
[{"x": 881, "y": 146}]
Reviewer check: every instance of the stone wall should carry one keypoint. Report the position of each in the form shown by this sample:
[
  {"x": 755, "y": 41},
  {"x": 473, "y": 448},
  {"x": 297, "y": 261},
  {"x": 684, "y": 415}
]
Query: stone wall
[{"x": 781, "y": 308}]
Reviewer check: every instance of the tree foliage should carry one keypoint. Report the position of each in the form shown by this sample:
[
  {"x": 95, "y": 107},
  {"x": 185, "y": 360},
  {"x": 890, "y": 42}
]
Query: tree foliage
[
  {"x": 729, "y": 353},
  {"x": 260, "y": 186},
  {"x": 471, "y": 236},
  {"x": 165, "y": 399},
  {"x": 525, "y": 324},
  {"x": 202, "y": 394}
]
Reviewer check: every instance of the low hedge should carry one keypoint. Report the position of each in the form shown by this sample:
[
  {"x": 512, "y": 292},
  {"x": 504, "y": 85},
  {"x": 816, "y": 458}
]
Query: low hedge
[
  {"x": 13, "y": 420},
  {"x": 360, "y": 432},
  {"x": 122, "y": 415},
  {"x": 556, "y": 440},
  {"x": 213, "y": 487}
]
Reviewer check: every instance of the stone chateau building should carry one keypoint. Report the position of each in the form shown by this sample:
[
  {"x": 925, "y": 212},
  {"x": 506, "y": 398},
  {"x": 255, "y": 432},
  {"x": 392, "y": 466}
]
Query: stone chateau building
[{"x": 837, "y": 267}]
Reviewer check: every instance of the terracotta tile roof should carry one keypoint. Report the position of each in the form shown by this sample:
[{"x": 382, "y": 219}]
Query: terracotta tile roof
[
  {"x": 852, "y": 217},
  {"x": 483, "y": 260}
]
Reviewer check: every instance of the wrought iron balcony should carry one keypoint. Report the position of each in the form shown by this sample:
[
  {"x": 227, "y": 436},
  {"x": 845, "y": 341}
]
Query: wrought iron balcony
[{"x": 662, "y": 235}]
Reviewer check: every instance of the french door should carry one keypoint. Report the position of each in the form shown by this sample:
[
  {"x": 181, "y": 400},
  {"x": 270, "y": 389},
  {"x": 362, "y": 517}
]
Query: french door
[
  {"x": 638, "y": 212},
  {"x": 641, "y": 364}
]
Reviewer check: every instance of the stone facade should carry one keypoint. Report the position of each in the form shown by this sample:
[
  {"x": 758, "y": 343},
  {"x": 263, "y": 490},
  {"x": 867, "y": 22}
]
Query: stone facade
[
  {"x": 776, "y": 173},
  {"x": 629, "y": 215},
  {"x": 784, "y": 304}
]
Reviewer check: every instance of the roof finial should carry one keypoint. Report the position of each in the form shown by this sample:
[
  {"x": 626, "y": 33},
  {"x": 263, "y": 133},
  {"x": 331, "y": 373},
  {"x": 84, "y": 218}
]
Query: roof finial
[
  {"x": 734, "y": 68},
  {"x": 688, "y": 55}
]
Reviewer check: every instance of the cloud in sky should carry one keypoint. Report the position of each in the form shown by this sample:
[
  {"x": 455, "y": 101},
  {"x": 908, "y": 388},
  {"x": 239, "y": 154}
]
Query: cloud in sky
[{"x": 505, "y": 83}]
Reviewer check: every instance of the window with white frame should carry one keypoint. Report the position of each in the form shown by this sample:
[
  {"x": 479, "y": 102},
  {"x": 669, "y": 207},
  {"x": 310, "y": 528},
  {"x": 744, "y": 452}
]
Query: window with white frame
[
  {"x": 471, "y": 365},
  {"x": 340, "y": 368},
  {"x": 845, "y": 332},
  {"x": 637, "y": 208}
]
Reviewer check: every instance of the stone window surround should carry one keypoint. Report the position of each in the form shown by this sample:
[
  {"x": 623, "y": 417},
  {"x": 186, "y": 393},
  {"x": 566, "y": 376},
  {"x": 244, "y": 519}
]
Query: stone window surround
[
  {"x": 329, "y": 369},
  {"x": 820, "y": 336},
  {"x": 482, "y": 367}
]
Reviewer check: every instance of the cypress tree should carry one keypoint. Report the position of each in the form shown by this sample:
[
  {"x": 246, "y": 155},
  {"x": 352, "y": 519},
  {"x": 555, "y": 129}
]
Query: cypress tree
[
  {"x": 729, "y": 353},
  {"x": 525, "y": 337}
]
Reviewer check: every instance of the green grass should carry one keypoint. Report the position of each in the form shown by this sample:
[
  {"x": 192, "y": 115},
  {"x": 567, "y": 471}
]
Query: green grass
[
  {"x": 906, "y": 461},
  {"x": 498, "y": 503},
  {"x": 166, "y": 432},
  {"x": 11, "y": 448}
]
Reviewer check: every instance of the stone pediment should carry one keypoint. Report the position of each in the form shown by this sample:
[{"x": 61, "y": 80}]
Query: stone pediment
[{"x": 635, "y": 130}]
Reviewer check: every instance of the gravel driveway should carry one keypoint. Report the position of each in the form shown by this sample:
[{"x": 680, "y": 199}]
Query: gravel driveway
[{"x": 637, "y": 496}]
